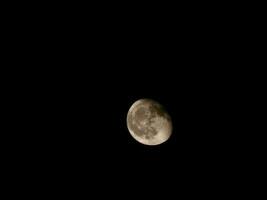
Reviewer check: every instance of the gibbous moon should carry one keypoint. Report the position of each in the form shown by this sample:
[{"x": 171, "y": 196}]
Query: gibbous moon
[{"x": 148, "y": 122}]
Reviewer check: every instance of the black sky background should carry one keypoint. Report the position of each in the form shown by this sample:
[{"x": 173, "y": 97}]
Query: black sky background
[{"x": 85, "y": 72}]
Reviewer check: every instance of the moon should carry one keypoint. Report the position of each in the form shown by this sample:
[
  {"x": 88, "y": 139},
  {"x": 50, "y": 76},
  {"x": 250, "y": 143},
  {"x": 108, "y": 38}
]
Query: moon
[{"x": 148, "y": 122}]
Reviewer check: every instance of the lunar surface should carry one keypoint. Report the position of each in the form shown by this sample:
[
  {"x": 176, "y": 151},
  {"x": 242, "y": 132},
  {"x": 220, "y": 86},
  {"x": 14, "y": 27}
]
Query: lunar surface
[{"x": 148, "y": 122}]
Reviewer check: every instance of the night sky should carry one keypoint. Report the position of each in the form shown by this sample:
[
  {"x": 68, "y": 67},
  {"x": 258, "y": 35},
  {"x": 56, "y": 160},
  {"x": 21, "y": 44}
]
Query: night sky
[
  {"x": 79, "y": 87},
  {"x": 83, "y": 130}
]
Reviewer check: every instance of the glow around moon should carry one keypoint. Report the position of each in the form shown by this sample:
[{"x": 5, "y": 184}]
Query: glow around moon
[{"x": 148, "y": 122}]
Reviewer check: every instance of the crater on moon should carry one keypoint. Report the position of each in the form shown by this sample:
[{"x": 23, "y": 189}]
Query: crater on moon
[{"x": 148, "y": 122}]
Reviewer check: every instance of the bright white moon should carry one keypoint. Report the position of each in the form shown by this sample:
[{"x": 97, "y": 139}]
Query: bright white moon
[{"x": 148, "y": 122}]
